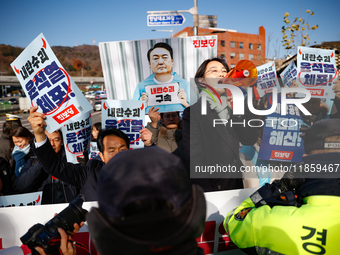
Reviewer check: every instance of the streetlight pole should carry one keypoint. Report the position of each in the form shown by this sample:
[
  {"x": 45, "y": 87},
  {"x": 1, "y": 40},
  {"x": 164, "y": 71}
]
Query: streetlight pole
[{"x": 195, "y": 18}]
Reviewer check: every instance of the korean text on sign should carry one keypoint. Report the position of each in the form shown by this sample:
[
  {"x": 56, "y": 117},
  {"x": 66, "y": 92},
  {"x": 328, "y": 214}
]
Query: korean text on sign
[
  {"x": 48, "y": 85},
  {"x": 127, "y": 116},
  {"x": 77, "y": 136},
  {"x": 266, "y": 78},
  {"x": 163, "y": 94},
  {"x": 316, "y": 71},
  {"x": 281, "y": 139}
]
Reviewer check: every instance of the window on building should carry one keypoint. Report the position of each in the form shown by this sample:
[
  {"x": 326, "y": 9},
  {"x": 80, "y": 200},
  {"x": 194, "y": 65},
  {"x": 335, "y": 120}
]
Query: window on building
[
  {"x": 259, "y": 57},
  {"x": 241, "y": 56},
  {"x": 222, "y": 43},
  {"x": 250, "y": 46},
  {"x": 232, "y": 65},
  {"x": 232, "y": 44},
  {"x": 222, "y": 54},
  {"x": 241, "y": 45},
  {"x": 232, "y": 55},
  {"x": 259, "y": 47},
  {"x": 251, "y": 56}
]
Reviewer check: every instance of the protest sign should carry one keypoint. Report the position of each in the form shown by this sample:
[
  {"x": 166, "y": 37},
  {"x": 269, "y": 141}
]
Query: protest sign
[
  {"x": 76, "y": 136},
  {"x": 127, "y": 116},
  {"x": 281, "y": 139},
  {"x": 48, "y": 85},
  {"x": 288, "y": 75},
  {"x": 94, "y": 151},
  {"x": 163, "y": 94},
  {"x": 316, "y": 71},
  {"x": 129, "y": 67},
  {"x": 33, "y": 198},
  {"x": 16, "y": 221},
  {"x": 266, "y": 78}
]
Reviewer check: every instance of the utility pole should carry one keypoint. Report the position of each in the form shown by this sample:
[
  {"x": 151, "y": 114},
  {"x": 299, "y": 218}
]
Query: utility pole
[{"x": 195, "y": 18}]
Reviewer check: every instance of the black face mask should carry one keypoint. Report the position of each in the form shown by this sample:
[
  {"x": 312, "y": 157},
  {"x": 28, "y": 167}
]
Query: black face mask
[{"x": 161, "y": 233}]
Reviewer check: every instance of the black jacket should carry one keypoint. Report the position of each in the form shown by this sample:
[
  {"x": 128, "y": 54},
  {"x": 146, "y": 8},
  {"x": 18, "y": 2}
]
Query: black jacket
[
  {"x": 33, "y": 178},
  {"x": 82, "y": 177},
  {"x": 205, "y": 146}
]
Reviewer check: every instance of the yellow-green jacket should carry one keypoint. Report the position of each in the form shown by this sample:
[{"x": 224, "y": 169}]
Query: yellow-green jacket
[{"x": 313, "y": 228}]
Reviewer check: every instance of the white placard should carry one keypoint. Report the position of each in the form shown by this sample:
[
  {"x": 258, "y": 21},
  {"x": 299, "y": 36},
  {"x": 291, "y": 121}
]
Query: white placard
[
  {"x": 266, "y": 78},
  {"x": 127, "y": 116},
  {"x": 76, "y": 136},
  {"x": 316, "y": 71},
  {"x": 163, "y": 94},
  {"x": 48, "y": 85}
]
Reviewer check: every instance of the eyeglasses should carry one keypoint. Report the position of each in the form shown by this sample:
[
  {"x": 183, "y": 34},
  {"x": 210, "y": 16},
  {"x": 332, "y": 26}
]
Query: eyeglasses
[
  {"x": 173, "y": 115},
  {"x": 215, "y": 70}
]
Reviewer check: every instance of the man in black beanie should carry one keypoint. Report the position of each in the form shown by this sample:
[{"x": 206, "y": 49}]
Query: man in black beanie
[{"x": 147, "y": 205}]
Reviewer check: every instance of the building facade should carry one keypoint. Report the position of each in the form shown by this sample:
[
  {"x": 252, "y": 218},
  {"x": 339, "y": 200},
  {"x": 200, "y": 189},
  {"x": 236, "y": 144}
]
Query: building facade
[{"x": 234, "y": 46}]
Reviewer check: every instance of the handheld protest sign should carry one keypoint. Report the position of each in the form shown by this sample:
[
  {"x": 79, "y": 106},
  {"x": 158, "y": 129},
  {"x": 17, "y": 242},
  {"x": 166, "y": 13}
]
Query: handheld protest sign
[
  {"x": 266, "y": 78},
  {"x": 281, "y": 139},
  {"x": 94, "y": 151},
  {"x": 127, "y": 116},
  {"x": 48, "y": 85},
  {"x": 289, "y": 74},
  {"x": 157, "y": 71},
  {"x": 316, "y": 71},
  {"x": 77, "y": 135}
]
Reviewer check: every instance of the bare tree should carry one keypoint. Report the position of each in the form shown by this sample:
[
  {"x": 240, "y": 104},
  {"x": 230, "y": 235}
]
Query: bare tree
[{"x": 299, "y": 32}]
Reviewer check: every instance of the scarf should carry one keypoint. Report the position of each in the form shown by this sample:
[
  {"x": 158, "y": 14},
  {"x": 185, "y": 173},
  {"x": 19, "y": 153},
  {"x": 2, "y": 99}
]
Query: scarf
[
  {"x": 221, "y": 110},
  {"x": 19, "y": 157}
]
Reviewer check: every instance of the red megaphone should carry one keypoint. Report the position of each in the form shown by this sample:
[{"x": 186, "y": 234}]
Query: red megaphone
[{"x": 243, "y": 74}]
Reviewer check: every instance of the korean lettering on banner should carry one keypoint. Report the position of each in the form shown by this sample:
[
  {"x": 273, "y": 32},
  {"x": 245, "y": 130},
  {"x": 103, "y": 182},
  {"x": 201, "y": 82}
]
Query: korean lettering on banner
[
  {"x": 28, "y": 199},
  {"x": 77, "y": 135},
  {"x": 48, "y": 85},
  {"x": 281, "y": 139},
  {"x": 163, "y": 94},
  {"x": 204, "y": 43},
  {"x": 266, "y": 78},
  {"x": 289, "y": 74},
  {"x": 316, "y": 71},
  {"x": 127, "y": 116}
]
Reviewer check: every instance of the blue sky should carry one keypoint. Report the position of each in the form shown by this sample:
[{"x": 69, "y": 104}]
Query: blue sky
[{"x": 65, "y": 22}]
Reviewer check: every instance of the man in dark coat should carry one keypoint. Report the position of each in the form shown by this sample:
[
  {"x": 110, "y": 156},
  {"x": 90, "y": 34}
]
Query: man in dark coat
[{"x": 110, "y": 142}]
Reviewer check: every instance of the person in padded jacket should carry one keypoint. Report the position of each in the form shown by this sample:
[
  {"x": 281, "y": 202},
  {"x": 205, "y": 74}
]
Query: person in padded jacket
[{"x": 33, "y": 177}]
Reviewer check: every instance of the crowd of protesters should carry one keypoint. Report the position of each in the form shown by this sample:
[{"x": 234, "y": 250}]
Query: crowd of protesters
[{"x": 36, "y": 162}]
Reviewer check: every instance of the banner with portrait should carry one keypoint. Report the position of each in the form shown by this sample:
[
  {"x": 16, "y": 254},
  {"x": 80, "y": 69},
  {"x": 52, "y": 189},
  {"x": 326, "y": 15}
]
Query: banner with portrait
[{"x": 130, "y": 66}]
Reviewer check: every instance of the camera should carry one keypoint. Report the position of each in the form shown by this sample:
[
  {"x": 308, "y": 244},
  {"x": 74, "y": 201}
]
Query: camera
[{"x": 48, "y": 236}]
